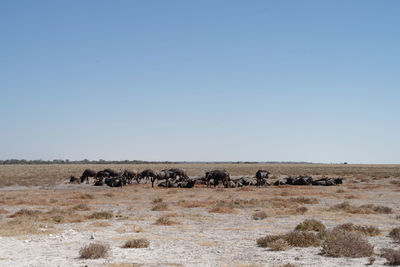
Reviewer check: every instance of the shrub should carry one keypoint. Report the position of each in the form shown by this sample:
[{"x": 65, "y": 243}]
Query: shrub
[
  {"x": 363, "y": 209},
  {"x": 164, "y": 220},
  {"x": 94, "y": 251},
  {"x": 365, "y": 230},
  {"x": 160, "y": 207},
  {"x": 395, "y": 234},
  {"x": 157, "y": 200},
  {"x": 259, "y": 215},
  {"x": 279, "y": 245},
  {"x": 137, "y": 243},
  {"x": 310, "y": 225},
  {"x": 301, "y": 210},
  {"x": 101, "y": 215},
  {"x": 392, "y": 256},
  {"x": 87, "y": 196},
  {"x": 339, "y": 243},
  {"x": 81, "y": 206},
  {"x": 267, "y": 240},
  {"x": 304, "y": 200},
  {"x": 302, "y": 239},
  {"x": 26, "y": 212}
]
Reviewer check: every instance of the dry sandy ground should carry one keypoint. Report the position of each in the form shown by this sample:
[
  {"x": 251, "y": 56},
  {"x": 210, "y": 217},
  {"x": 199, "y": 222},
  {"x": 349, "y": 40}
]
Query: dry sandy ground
[{"x": 198, "y": 237}]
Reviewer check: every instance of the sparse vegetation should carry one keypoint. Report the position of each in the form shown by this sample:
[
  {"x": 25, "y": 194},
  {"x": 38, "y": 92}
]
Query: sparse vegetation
[
  {"x": 94, "y": 251},
  {"x": 310, "y": 225},
  {"x": 160, "y": 206},
  {"x": 98, "y": 215},
  {"x": 392, "y": 256},
  {"x": 302, "y": 239},
  {"x": 259, "y": 215},
  {"x": 365, "y": 230},
  {"x": 137, "y": 243},
  {"x": 395, "y": 234},
  {"x": 363, "y": 209},
  {"x": 339, "y": 243},
  {"x": 279, "y": 245},
  {"x": 164, "y": 220}
]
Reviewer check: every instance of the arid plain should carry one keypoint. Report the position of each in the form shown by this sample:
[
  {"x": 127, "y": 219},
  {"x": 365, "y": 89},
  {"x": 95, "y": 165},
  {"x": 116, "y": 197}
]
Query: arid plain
[{"x": 46, "y": 222}]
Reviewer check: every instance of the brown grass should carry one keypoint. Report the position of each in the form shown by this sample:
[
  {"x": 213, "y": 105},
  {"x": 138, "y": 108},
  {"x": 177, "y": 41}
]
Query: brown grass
[
  {"x": 304, "y": 200},
  {"x": 160, "y": 207},
  {"x": 137, "y": 243},
  {"x": 164, "y": 220},
  {"x": 99, "y": 215},
  {"x": 279, "y": 245},
  {"x": 363, "y": 209},
  {"x": 294, "y": 238},
  {"x": 94, "y": 251},
  {"x": 259, "y": 215},
  {"x": 364, "y": 230}
]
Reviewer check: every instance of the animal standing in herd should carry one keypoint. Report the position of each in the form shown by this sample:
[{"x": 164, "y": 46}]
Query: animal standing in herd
[{"x": 176, "y": 177}]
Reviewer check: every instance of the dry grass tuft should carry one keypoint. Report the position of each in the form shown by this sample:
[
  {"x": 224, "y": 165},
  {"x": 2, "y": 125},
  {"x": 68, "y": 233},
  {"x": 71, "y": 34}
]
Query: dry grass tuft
[
  {"x": 164, "y": 220},
  {"x": 395, "y": 234},
  {"x": 265, "y": 241},
  {"x": 340, "y": 243},
  {"x": 98, "y": 215},
  {"x": 392, "y": 256},
  {"x": 94, "y": 251},
  {"x": 363, "y": 209},
  {"x": 310, "y": 225},
  {"x": 25, "y": 212},
  {"x": 160, "y": 207},
  {"x": 157, "y": 200},
  {"x": 259, "y": 215},
  {"x": 304, "y": 200},
  {"x": 86, "y": 196},
  {"x": 279, "y": 245},
  {"x": 108, "y": 194},
  {"x": 365, "y": 230},
  {"x": 301, "y": 210},
  {"x": 137, "y": 243},
  {"x": 302, "y": 239},
  {"x": 82, "y": 206},
  {"x": 195, "y": 204}
]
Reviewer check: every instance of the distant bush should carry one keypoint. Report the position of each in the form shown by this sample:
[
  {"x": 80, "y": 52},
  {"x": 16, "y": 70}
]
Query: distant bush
[
  {"x": 259, "y": 215},
  {"x": 365, "y": 230},
  {"x": 310, "y": 225},
  {"x": 341, "y": 243},
  {"x": 137, "y": 243},
  {"x": 302, "y": 239},
  {"x": 279, "y": 245},
  {"x": 264, "y": 242},
  {"x": 101, "y": 215},
  {"x": 94, "y": 251},
  {"x": 363, "y": 209}
]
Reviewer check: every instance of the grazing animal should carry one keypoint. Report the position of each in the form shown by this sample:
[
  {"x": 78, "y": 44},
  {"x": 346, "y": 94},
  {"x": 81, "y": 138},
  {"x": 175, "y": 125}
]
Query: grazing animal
[
  {"x": 102, "y": 174},
  {"x": 74, "y": 180},
  {"x": 261, "y": 176},
  {"x": 179, "y": 173},
  {"x": 218, "y": 175},
  {"x": 147, "y": 174},
  {"x": 302, "y": 180},
  {"x": 130, "y": 175},
  {"x": 164, "y": 174},
  {"x": 86, "y": 174},
  {"x": 113, "y": 173}
]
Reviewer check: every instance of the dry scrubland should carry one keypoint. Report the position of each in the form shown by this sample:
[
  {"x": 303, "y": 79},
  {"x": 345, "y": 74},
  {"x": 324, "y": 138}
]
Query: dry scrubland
[{"x": 45, "y": 222}]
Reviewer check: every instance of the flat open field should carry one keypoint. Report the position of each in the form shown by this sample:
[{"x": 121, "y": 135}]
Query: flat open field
[{"x": 45, "y": 222}]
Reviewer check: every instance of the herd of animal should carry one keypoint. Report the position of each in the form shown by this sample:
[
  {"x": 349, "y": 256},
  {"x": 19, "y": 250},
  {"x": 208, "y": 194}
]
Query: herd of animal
[{"x": 175, "y": 177}]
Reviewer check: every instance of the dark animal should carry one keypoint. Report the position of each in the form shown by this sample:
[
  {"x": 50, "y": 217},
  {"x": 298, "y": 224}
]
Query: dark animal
[
  {"x": 164, "y": 174},
  {"x": 218, "y": 175},
  {"x": 287, "y": 180},
  {"x": 86, "y": 174},
  {"x": 74, "y": 180},
  {"x": 130, "y": 175},
  {"x": 113, "y": 181},
  {"x": 147, "y": 174},
  {"x": 179, "y": 173},
  {"x": 113, "y": 173},
  {"x": 327, "y": 181},
  {"x": 302, "y": 180},
  {"x": 102, "y": 174},
  {"x": 261, "y": 176}
]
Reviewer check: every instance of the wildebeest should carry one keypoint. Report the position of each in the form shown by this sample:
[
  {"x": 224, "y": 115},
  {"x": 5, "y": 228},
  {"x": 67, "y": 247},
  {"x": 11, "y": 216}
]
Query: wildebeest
[
  {"x": 179, "y": 173},
  {"x": 146, "y": 174},
  {"x": 130, "y": 175},
  {"x": 113, "y": 173},
  {"x": 74, "y": 180},
  {"x": 113, "y": 181},
  {"x": 86, "y": 174},
  {"x": 218, "y": 175},
  {"x": 164, "y": 174},
  {"x": 261, "y": 176},
  {"x": 328, "y": 181},
  {"x": 102, "y": 174}
]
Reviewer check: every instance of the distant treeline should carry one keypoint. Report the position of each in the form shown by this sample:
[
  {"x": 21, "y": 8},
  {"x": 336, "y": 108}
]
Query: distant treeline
[{"x": 86, "y": 161}]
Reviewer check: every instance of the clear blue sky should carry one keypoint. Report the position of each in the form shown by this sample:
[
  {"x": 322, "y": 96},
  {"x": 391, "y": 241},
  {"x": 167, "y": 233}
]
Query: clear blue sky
[{"x": 201, "y": 80}]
